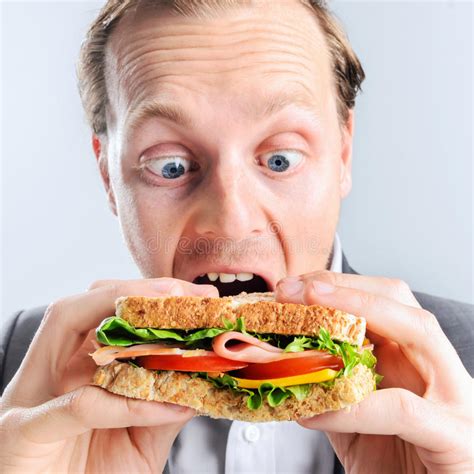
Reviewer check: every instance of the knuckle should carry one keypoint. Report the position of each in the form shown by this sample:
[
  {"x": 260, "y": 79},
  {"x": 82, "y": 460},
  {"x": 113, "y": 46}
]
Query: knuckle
[
  {"x": 9, "y": 420},
  {"x": 408, "y": 405},
  {"x": 77, "y": 403},
  {"x": 174, "y": 287},
  {"x": 54, "y": 310},
  {"x": 98, "y": 284},
  {"x": 115, "y": 289},
  {"x": 365, "y": 300},
  {"x": 400, "y": 288},
  {"x": 324, "y": 275},
  {"x": 427, "y": 321},
  {"x": 10, "y": 426},
  {"x": 170, "y": 281}
]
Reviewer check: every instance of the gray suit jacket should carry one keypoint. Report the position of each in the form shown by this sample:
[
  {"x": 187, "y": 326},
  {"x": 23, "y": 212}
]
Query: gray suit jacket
[{"x": 456, "y": 319}]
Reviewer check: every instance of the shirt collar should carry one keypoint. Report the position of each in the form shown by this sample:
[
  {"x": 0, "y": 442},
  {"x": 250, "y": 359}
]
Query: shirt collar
[{"x": 336, "y": 262}]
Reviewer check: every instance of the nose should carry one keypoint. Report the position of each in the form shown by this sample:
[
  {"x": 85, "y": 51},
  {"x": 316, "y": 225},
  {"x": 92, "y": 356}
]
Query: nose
[{"x": 230, "y": 205}]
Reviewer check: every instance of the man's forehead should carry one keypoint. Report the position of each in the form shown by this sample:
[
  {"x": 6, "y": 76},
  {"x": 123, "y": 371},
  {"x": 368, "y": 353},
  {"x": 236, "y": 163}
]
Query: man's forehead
[
  {"x": 144, "y": 25},
  {"x": 170, "y": 108},
  {"x": 221, "y": 9},
  {"x": 143, "y": 47}
]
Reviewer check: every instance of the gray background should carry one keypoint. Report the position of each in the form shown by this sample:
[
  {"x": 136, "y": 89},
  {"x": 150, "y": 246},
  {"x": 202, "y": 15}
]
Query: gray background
[{"x": 409, "y": 214}]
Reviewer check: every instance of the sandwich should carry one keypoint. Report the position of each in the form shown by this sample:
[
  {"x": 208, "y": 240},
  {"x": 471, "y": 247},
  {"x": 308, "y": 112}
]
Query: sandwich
[{"x": 245, "y": 357}]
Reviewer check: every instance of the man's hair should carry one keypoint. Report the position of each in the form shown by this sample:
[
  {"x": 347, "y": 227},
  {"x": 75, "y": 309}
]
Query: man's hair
[{"x": 348, "y": 73}]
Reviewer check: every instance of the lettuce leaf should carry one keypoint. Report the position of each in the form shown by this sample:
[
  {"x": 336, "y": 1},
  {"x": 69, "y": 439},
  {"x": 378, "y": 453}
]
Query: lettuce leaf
[
  {"x": 350, "y": 354},
  {"x": 115, "y": 331},
  {"x": 268, "y": 392},
  {"x": 299, "y": 344}
]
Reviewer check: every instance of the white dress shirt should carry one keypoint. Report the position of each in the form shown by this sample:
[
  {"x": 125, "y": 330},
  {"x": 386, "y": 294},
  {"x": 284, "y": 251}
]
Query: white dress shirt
[{"x": 238, "y": 447}]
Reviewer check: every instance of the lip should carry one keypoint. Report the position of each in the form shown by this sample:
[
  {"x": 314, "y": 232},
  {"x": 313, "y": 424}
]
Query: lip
[{"x": 270, "y": 280}]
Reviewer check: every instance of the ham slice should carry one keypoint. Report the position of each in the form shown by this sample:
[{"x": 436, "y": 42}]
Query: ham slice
[
  {"x": 252, "y": 350},
  {"x": 244, "y": 348},
  {"x": 249, "y": 349},
  {"x": 107, "y": 354}
]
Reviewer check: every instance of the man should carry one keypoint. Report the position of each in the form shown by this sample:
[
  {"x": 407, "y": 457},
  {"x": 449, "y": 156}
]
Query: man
[{"x": 223, "y": 133}]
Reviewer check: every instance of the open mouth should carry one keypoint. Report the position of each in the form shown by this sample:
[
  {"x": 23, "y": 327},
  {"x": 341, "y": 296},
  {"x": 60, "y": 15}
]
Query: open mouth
[{"x": 230, "y": 284}]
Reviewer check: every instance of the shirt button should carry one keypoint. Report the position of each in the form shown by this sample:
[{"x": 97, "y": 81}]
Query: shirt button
[{"x": 251, "y": 434}]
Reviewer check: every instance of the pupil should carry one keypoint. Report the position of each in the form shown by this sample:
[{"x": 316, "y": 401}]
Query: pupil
[
  {"x": 278, "y": 163},
  {"x": 172, "y": 171}
]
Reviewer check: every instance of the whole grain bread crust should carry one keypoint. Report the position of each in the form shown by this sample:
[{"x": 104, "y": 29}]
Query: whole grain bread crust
[
  {"x": 175, "y": 387},
  {"x": 262, "y": 314}
]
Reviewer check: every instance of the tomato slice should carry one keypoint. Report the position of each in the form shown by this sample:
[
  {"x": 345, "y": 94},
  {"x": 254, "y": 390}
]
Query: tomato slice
[
  {"x": 209, "y": 362},
  {"x": 290, "y": 367}
]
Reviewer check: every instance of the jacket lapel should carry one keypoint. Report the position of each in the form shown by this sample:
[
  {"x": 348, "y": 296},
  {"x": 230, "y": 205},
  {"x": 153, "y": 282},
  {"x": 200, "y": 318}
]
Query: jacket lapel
[{"x": 346, "y": 268}]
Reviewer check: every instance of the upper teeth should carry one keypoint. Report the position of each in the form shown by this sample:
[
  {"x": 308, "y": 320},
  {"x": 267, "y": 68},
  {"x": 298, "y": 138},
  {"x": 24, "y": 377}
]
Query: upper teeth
[{"x": 229, "y": 277}]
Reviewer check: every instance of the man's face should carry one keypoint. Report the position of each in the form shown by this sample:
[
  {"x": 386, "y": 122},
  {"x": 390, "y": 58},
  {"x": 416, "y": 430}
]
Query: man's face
[{"x": 224, "y": 149}]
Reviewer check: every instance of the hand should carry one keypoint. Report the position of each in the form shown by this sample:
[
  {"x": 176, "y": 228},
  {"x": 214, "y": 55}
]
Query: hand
[
  {"x": 422, "y": 418},
  {"x": 53, "y": 421}
]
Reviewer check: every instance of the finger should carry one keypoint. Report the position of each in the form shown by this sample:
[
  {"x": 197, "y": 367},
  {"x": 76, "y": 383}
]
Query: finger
[
  {"x": 68, "y": 321},
  {"x": 397, "y": 370},
  {"x": 389, "y": 287},
  {"x": 89, "y": 408},
  {"x": 81, "y": 367},
  {"x": 417, "y": 331},
  {"x": 169, "y": 286},
  {"x": 395, "y": 412}
]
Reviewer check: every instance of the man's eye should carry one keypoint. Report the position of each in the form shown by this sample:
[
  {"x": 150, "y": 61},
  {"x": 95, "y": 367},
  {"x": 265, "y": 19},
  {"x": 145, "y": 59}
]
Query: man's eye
[
  {"x": 170, "y": 167},
  {"x": 282, "y": 160}
]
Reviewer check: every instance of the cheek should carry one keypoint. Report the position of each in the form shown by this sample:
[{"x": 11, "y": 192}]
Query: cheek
[
  {"x": 318, "y": 186},
  {"x": 150, "y": 231},
  {"x": 317, "y": 189},
  {"x": 311, "y": 221}
]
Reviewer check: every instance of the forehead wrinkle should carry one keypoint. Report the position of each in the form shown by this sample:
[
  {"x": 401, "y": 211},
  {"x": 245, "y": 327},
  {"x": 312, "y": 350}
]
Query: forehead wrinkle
[
  {"x": 166, "y": 109},
  {"x": 151, "y": 58},
  {"x": 149, "y": 77},
  {"x": 135, "y": 47},
  {"x": 128, "y": 47},
  {"x": 148, "y": 57},
  {"x": 170, "y": 33},
  {"x": 142, "y": 81}
]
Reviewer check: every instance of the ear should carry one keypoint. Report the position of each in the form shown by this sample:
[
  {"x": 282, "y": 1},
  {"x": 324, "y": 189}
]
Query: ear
[
  {"x": 100, "y": 155},
  {"x": 345, "y": 180}
]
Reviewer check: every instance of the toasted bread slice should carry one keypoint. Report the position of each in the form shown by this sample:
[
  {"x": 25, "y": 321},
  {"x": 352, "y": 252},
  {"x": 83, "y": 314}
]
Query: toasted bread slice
[
  {"x": 261, "y": 313},
  {"x": 135, "y": 382}
]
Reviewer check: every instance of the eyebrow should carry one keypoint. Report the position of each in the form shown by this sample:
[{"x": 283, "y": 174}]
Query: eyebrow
[{"x": 172, "y": 111}]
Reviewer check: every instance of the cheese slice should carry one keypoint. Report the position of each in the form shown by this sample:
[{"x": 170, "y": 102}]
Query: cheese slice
[{"x": 313, "y": 377}]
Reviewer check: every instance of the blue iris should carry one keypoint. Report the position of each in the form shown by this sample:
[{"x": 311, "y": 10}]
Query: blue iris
[
  {"x": 173, "y": 170},
  {"x": 278, "y": 163}
]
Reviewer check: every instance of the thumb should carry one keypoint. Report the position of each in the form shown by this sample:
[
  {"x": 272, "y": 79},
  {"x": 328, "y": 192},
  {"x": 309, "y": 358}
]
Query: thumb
[{"x": 90, "y": 407}]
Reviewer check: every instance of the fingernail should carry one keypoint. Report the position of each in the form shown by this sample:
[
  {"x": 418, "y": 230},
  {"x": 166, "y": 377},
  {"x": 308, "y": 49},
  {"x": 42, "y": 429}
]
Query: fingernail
[
  {"x": 291, "y": 286},
  {"x": 323, "y": 288},
  {"x": 212, "y": 293}
]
